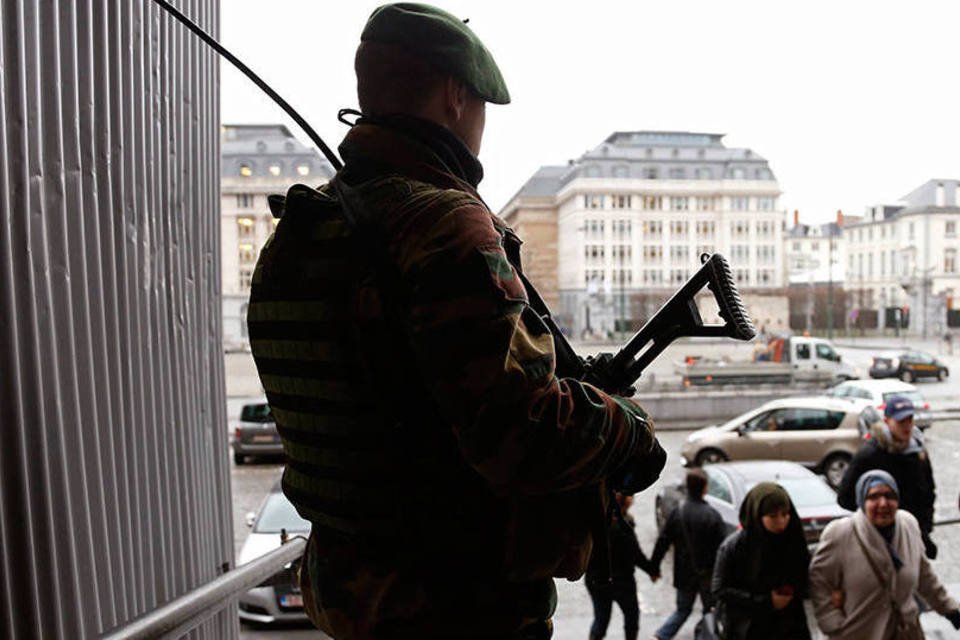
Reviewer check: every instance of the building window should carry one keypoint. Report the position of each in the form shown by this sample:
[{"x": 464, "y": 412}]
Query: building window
[
  {"x": 246, "y": 227},
  {"x": 765, "y": 228},
  {"x": 652, "y": 277},
  {"x": 621, "y": 253},
  {"x": 679, "y": 276},
  {"x": 706, "y": 229},
  {"x": 594, "y": 229},
  {"x": 795, "y": 247},
  {"x": 652, "y": 229},
  {"x": 652, "y": 253},
  {"x": 650, "y": 173},
  {"x": 764, "y": 277},
  {"x": 652, "y": 203},
  {"x": 594, "y": 253},
  {"x": 740, "y": 252},
  {"x": 950, "y": 261},
  {"x": 740, "y": 203},
  {"x": 766, "y": 254},
  {"x": 620, "y": 201},
  {"x": 245, "y": 170},
  {"x": 246, "y": 278},
  {"x": 705, "y": 249},
  {"x": 737, "y": 174},
  {"x": 303, "y": 169},
  {"x": 909, "y": 231},
  {"x": 593, "y": 278},
  {"x": 950, "y": 229},
  {"x": 677, "y": 173},
  {"x": 679, "y": 254},
  {"x": 622, "y": 229},
  {"x": 765, "y": 204},
  {"x": 679, "y": 228},
  {"x": 679, "y": 203},
  {"x": 740, "y": 228},
  {"x": 244, "y": 200},
  {"x": 623, "y": 277},
  {"x": 275, "y": 170},
  {"x": 592, "y": 201},
  {"x": 743, "y": 277},
  {"x": 703, "y": 173},
  {"x": 248, "y": 253}
]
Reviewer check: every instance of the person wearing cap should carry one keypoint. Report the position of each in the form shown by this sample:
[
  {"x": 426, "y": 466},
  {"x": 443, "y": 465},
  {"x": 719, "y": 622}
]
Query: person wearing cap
[
  {"x": 449, "y": 474},
  {"x": 868, "y": 566},
  {"x": 895, "y": 446}
]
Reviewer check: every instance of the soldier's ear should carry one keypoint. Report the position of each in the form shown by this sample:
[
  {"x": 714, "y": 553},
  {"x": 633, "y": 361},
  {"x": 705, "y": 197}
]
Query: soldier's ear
[{"x": 456, "y": 96}]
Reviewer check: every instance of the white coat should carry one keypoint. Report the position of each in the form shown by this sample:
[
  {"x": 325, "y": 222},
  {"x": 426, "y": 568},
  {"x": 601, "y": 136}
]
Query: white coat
[{"x": 839, "y": 564}]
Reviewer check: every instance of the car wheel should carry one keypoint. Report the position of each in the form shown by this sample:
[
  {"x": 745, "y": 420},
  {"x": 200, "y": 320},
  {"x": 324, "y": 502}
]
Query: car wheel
[
  {"x": 710, "y": 456},
  {"x": 835, "y": 467},
  {"x": 942, "y": 375},
  {"x": 907, "y": 376},
  {"x": 239, "y": 459}
]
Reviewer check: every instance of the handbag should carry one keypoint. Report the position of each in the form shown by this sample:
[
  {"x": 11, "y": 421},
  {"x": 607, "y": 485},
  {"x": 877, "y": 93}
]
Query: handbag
[
  {"x": 707, "y": 628},
  {"x": 906, "y": 629}
]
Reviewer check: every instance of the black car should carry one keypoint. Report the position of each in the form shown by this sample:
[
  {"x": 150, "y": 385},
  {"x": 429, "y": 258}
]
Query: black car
[{"x": 908, "y": 366}]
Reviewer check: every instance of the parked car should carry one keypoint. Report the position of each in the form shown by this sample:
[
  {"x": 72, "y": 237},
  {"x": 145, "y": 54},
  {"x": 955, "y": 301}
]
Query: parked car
[
  {"x": 878, "y": 392},
  {"x": 256, "y": 433},
  {"x": 819, "y": 432},
  {"x": 729, "y": 482},
  {"x": 277, "y": 599},
  {"x": 908, "y": 366}
]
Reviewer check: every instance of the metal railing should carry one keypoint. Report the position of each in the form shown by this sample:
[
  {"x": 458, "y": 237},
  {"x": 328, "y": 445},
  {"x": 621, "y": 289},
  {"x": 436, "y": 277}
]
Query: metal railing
[{"x": 191, "y": 609}]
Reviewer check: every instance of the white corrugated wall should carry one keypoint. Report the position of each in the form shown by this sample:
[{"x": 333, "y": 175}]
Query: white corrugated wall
[{"x": 114, "y": 476}]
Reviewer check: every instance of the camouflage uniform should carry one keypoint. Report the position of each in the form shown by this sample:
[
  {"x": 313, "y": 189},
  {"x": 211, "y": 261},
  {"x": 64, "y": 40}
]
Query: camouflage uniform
[{"x": 448, "y": 473}]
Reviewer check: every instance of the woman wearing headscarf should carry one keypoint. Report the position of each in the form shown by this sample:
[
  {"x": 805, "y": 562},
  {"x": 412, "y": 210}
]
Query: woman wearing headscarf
[
  {"x": 760, "y": 577},
  {"x": 868, "y": 566}
]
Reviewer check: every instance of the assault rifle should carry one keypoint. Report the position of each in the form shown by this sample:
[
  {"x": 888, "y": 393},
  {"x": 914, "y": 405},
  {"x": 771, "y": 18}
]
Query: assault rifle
[{"x": 677, "y": 318}]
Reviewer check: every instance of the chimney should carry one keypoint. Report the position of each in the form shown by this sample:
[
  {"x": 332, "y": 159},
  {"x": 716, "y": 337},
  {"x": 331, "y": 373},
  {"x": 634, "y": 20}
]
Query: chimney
[
  {"x": 839, "y": 217},
  {"x": 796, "y": 217}
]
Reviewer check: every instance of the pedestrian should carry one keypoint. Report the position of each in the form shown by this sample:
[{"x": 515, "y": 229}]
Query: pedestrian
[
  {"x": 610, "y": 576},
  {"x": 868, "y": 566},
  {"x": 760, "y": 577},
  {"x": 695, "y": 530},
  {"x": 448, "y": 472},
  {"x": 895, "y": 446}
]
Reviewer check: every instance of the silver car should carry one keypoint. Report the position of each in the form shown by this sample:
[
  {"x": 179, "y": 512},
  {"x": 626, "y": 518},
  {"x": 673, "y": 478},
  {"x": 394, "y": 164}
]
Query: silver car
[
  {"x": 255, "y": 434},
  {"x": 729, "y": 482},
  {"x": 277, "y": 599}
]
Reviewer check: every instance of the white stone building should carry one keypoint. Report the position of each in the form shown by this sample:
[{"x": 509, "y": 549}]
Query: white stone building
[
  {"x": 904, "y": 256},
  {"x": 256, "y": 161},
  {"x": 631, "y": 217},
  {"x": 810, "y": 250}
]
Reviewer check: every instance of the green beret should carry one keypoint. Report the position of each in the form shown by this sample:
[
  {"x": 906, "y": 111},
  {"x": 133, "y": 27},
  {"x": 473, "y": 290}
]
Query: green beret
[{"x": 441, "y": 39}]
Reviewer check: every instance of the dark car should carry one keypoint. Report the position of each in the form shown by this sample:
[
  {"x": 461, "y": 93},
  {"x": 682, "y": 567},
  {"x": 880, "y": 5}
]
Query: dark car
[
  {"x": 908, "y": 366},
  {"x": 256, "y": 434},
  {"x": 729, "y": 482}
]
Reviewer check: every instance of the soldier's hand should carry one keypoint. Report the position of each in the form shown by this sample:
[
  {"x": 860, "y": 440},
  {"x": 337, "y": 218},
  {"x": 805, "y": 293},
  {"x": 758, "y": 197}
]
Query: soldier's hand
[{"x": 640, "y": 471}]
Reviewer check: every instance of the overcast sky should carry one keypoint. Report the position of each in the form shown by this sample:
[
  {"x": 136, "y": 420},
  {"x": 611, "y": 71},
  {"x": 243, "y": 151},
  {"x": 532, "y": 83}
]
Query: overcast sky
[{"x": 853, "y": 103}]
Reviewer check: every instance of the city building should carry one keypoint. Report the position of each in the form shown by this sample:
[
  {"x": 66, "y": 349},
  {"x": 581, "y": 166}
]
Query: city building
[
  {"x": 608, "y": 236},
  {"x": 902, "y": 259},
  {"x": 810, "y": 249},
  {"x": 256, "y": 161}
]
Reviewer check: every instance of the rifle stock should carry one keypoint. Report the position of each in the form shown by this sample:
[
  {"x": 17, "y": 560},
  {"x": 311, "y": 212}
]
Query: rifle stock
[{"x": 677, "y": 318}]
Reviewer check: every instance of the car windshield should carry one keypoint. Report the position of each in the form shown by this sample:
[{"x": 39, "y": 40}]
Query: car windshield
[
  {"x": 256, "y": 413},
  {"x": 915, "y": 397},
  {"x": 808, "y": 492},
  {"x": 278, "y": 514}
]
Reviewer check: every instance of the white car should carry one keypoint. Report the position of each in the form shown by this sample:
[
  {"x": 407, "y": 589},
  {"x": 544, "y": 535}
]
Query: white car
[
  {"x": 878, "y": 392},
  {"x": 277, "y": 599}
]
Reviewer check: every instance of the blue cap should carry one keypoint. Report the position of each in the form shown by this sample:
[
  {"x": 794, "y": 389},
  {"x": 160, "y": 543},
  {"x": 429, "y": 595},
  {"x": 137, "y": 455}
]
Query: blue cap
[{"x": 899, "y": 408}]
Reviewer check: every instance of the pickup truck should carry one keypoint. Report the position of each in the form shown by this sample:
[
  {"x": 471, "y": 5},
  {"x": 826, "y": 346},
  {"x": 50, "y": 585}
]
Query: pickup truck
[{"x": 798, "y": 359}]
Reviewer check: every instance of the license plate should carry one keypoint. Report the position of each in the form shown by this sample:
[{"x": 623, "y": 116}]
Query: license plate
[
  {"x": 291, "y": 600},
  {"x": 264, "y": 437}
]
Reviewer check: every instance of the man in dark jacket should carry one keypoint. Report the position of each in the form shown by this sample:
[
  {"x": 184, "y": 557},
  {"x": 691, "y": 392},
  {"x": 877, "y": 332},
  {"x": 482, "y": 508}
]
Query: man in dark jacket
[
  {"x": 695, "y": 530},
  {"x": 895, "y": 446},
  {"x": 448, "y": 472}
]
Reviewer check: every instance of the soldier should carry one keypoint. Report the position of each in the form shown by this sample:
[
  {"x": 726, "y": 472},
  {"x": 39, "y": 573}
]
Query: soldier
[{"x": 447, "y": 470}]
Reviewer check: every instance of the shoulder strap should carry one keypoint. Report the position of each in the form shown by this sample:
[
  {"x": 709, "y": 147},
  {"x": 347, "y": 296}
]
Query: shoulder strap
[{"x": 886, "y": 586}]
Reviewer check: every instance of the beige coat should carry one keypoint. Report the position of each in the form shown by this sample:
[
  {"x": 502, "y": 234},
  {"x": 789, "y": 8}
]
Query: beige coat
[{"x": 839, "y": 564}]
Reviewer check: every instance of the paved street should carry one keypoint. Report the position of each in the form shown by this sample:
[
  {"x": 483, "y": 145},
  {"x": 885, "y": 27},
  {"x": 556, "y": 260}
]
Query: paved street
[{"x": 574, "y": 614}]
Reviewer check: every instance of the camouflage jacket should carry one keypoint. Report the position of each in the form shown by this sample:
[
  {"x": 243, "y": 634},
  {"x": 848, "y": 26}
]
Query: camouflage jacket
[{"x": 448, "y": 472}]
